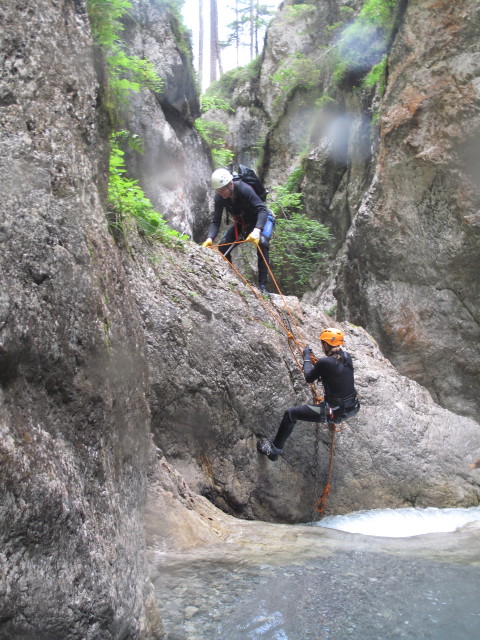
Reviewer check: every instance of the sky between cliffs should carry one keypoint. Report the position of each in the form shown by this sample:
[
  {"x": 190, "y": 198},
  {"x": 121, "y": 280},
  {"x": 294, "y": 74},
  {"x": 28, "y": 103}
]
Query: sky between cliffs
[{"x": 226, "y": 15}]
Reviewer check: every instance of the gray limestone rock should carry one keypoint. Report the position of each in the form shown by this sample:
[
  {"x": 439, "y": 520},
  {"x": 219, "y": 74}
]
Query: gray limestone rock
[
  {"x": 74, "y": 420},
  {"x": 222, "y": 374}
]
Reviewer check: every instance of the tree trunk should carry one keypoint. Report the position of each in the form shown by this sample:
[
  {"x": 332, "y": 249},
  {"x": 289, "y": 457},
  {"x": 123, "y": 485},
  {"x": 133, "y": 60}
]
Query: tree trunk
[
  {"x": 252, "y": 28},
  {"x": 237, "y": 35},
  {"x": 200, "y": 44},
  {"x": 214, "y": 47}
]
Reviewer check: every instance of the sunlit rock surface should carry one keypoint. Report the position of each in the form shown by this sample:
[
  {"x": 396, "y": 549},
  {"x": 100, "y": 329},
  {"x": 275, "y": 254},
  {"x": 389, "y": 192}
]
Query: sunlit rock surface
[
  {"x": 258, "y": 580},
  {"x": 222, "y": 374}
]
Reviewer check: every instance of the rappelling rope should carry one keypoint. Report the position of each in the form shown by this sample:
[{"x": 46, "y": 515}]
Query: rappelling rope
[
  {"x": 321, "y": 503},
  {"x": 292, "y": 340}
]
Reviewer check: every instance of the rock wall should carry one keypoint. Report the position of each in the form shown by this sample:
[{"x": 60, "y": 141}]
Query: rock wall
[
  {"x": 410, "y": 272},
  {"x": 74, "y": 419},
  {"x": 394, "y": 176},
  {"x": 222, "y": 374},
  {"x": 99, "y": 349},
  {"x": 174, "y": 169}
]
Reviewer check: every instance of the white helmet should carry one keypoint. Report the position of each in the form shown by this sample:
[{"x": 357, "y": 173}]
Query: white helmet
[{"x": 220, "y": 178}]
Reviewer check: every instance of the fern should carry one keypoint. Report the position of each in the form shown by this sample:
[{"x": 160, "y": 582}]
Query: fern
[
  {"x": 126, "y": 73},
  {"x": 127, "y": 201}
]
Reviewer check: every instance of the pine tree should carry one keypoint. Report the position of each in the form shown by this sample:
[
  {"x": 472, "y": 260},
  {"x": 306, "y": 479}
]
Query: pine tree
[{"x": 251, "y": 18}]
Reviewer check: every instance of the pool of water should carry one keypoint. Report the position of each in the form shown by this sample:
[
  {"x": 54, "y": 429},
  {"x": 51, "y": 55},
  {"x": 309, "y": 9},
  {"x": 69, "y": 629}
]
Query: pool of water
[
  {"x": 351, "y": 589},
  {"x": 402, "y": 523}
]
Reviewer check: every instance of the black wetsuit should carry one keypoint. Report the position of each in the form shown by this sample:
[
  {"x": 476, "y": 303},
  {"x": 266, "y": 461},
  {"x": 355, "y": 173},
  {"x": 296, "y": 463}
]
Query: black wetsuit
[
  {"x": 248, "y": 212},
  {"x": 340, "y": 396}
]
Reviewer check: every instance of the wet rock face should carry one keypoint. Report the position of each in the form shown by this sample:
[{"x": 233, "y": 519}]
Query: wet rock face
[
  {"x": 222, "y": 376},
  {"x": 401, "y": 197},
  {"x": 411, "y": 269},
  {"x": 174, "y": 169},
  {"x": 73, "y": 415}
]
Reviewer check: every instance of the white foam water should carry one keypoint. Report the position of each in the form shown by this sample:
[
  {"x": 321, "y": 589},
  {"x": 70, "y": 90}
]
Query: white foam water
[{"x": 402, "y": 523}]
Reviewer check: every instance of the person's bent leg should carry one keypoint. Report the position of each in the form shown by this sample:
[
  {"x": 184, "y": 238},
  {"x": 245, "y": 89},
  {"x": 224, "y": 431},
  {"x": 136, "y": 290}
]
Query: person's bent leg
[
  {"x": 228, "y": 242},
  {"x": 306, "y": 412},
  {"x": 263, "y": 259}
]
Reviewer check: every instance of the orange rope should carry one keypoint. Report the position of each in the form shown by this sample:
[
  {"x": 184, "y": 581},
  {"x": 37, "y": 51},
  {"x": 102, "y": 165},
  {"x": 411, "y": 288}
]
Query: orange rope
[
  {"x": 322, "y": 501},
  {"x": 290, "y": 337}
]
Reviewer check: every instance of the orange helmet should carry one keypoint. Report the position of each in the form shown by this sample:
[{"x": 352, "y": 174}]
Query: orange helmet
[{"x": 333, "y": 337}]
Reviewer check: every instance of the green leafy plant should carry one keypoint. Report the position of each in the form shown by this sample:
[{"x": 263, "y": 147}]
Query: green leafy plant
[
  {"x": 298, "y": 12},
  {"x": 377, "y": 77},
  {"x": 300, "y": 242},
  {"x": 208, "y": 102},
  {"x": 296, "y": 72},
  {"x": 363, "y": 43},
  {"x": 286, "y": 199},
  {"x": 230, "y": 80},
  {"x": 125, "y": 73},
  {"x": 127, "y": 201},
  {"x": 212, "y": 132},
  {"x": 298, "y": 250}
]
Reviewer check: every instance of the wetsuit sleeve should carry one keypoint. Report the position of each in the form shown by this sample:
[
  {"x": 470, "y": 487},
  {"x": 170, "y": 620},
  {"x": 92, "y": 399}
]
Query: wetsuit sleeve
[
  {"x": 255, "y": 205},
  {"x": 310, "y": 372},
  {"x": 216, "y": 218},
  {"x": 322, "y": 367}
]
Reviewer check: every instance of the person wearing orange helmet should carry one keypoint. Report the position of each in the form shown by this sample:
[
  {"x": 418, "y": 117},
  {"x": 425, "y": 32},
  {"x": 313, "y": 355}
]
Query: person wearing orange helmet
[{"x": 335, "y": 370}]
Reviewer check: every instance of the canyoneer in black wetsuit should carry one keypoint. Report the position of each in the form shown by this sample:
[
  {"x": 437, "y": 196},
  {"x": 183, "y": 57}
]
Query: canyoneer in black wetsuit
[
  {"x": 335, "y": 371},
  {"x": 249, "y": 215}
]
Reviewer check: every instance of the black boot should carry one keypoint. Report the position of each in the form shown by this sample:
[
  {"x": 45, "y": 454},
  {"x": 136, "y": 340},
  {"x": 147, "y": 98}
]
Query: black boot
[{"x": 268, "y": 449}]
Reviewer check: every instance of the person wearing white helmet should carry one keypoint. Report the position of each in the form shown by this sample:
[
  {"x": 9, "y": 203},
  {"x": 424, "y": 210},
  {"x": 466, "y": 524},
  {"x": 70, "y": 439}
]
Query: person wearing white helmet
[
  {"x": 335, "y": 370},
  {"x": 249, "y": 215}
]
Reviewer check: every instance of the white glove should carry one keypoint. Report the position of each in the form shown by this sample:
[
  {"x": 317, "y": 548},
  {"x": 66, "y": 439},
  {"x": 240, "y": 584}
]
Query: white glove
[{"x": 254, "y": 236}]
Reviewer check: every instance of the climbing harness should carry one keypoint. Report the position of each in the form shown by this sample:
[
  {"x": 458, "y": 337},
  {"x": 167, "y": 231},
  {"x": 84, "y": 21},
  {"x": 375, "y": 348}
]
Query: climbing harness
[{"x": 293, "y": 342}]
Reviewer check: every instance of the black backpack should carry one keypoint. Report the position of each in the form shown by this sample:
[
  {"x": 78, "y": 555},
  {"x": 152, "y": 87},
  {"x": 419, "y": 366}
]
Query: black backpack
[{"x": 247, "y": 175}]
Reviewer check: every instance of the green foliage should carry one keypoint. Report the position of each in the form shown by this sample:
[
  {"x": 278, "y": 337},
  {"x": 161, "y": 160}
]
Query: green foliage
[
  {"x": 105, "y": 19},
  {"x": 130, "y": 73},
  {"x": 128, "y": 202},
  {"x": 295, "y": 179},
  {"x": 323, "y": 101},
  {"x": 296, "y": 72},
  {"x": 378, "y": 12},
  {"x": 363, "y": 42},
  {"x": 214, "y": 102},
  {"x": 126, "y": 199},
  {"x": 252, "y": 18},
  {"x": 125, "y": 73},
  {"x": 298, "y": 250},
  {"x": 377, "y": 76},
  {"x": 299, "y": 246},
  {"x": 282, "y": 201},
  {"x": 213, "y": 132},
  {"x": 286, "y": 199},
  {"x": 298, "y": 12},
  {"x": 225, "y": 87}
]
